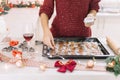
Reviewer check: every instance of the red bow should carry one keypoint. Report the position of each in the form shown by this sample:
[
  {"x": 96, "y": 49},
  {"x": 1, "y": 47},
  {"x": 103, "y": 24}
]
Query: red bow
[{"x": 70, "y": 65}]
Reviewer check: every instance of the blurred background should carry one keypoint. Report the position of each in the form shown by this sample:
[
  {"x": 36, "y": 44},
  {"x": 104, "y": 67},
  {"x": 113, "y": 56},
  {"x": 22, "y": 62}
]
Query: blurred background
[{"x": 27, "y": 12}]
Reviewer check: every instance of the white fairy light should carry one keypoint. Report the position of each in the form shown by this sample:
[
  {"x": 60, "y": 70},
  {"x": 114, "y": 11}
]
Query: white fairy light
[
  {"x": 19, "y": 63},
  {"x": 6, "y": 66},
  {"x": 43, "y": 67}
]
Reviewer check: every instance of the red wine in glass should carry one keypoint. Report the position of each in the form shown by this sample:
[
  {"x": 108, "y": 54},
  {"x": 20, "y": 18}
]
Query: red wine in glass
[{"x": 28, "y": 36}]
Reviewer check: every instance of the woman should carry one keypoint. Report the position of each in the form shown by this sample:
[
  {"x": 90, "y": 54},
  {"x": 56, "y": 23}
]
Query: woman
[{"x": 69, "y": 20}]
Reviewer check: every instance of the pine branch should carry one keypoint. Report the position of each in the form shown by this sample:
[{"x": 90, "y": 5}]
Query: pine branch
[{"x": 113, "y": 64}]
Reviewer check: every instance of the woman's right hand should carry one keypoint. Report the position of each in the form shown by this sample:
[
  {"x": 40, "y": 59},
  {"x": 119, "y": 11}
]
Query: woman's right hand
[
  {"x": 47, "y": 36},
  {"x": 48, "y": 39}
]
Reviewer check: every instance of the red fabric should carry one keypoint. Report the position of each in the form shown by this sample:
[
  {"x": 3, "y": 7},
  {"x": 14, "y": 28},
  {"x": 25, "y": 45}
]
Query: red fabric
[
  {"x": 69, "y": 16},
  {"x": 70, "y": 65}
]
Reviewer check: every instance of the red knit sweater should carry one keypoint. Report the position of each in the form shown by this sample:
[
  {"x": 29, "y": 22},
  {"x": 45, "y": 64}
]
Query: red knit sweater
[{"x": 69, "y": 16}]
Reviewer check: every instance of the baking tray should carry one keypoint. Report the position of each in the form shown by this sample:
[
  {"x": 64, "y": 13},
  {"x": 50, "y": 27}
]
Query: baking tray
[{"x": 46, "y": 52}]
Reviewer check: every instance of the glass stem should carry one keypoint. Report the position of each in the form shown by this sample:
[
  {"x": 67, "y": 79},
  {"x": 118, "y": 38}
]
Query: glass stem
[{"x": 28, "y": 44}]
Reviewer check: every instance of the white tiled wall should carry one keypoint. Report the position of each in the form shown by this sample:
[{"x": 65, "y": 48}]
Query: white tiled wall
[{"x": 107, "y": 25}]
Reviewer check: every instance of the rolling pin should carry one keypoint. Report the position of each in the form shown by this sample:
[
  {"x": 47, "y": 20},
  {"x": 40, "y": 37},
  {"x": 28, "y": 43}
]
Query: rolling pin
[{"x": 113, "y": 45}]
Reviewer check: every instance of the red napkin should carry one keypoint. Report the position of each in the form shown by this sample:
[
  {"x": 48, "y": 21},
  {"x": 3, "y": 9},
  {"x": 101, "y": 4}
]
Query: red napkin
[{"x": 70, "y": 65}]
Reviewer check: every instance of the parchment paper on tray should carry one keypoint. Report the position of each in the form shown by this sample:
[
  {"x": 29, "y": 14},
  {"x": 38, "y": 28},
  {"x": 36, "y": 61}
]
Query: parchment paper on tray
[{"x": 76, "y": 48}]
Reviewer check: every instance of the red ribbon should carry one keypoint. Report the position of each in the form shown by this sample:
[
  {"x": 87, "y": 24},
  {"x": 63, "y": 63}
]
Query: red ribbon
[
  {"x": 0, "y": 58},
  {"x": 70, "y": 65}
]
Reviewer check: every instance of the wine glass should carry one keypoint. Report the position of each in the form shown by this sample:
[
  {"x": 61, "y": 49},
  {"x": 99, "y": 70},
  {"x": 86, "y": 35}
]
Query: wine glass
[{"x": 28, "y": 33}]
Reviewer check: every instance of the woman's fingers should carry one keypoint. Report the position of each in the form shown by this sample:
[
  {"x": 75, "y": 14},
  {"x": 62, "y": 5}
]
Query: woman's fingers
[
  {"x": 48, "y": 42},
  {"x": 50, "y": 45},
  {"x": 89, "y": 24},
  {"x": 52, "y": 42}
]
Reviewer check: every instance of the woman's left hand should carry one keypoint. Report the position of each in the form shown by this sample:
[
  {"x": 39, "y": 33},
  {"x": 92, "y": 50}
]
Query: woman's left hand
[{"x": 89, "y": 20}]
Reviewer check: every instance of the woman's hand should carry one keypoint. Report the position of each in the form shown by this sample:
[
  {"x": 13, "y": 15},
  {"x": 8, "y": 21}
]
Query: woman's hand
[
  {"x": 48, "y": 39},
  {"x": 89, "y": 20}
]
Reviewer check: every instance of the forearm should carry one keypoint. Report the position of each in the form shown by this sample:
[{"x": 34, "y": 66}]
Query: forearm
[
  {"x": 44, "y": 22},
  {"x": 47, "y": 35}
]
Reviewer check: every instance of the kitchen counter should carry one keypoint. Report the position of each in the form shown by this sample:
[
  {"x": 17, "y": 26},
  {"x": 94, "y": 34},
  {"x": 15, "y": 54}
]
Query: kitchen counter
[{"x": 11, "y": 72}]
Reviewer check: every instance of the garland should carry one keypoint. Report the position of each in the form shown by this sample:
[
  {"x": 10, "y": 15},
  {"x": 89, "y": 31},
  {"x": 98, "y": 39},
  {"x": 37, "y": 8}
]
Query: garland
[
  {"x": 4, "y": 8},
  {"x": 23, "y": 4},
  {"x": 113, "y": 64},
  {"x": 2, "y": 11}
]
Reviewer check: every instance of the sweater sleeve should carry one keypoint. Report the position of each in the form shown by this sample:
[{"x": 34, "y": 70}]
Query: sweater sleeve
[
  {"x": 47, "y": 8},
  {"x": 94, "y": 5}
]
